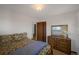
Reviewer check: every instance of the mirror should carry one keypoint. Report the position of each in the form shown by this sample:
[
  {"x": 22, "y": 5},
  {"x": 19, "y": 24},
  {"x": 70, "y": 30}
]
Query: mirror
[{"x": 59, "y": 30}]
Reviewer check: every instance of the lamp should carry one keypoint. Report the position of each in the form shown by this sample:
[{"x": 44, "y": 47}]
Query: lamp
[{"x": 38, "y": 7}]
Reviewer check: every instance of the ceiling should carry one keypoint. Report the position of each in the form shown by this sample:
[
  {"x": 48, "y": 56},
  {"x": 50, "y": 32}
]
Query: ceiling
[{"x": 49, "y": 9}]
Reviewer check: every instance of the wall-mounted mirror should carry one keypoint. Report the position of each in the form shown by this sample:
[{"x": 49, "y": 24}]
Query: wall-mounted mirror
[{"x": 59, "y": 30}]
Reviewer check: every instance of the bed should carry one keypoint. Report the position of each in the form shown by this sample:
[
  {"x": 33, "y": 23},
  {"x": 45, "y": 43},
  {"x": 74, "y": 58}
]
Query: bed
[{"x": 19, "y": 44}]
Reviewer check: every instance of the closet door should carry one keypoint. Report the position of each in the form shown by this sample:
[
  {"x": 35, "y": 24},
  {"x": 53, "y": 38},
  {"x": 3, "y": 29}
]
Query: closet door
[
  {"x": 41, "y": 31},
  {"x": 44, "y": 31}
]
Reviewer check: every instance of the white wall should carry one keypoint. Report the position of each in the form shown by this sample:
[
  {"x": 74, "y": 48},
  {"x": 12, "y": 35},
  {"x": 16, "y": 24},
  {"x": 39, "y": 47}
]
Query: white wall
[
  {"x": 13, "y": 22},
  {"x": 77, "y": 28}
]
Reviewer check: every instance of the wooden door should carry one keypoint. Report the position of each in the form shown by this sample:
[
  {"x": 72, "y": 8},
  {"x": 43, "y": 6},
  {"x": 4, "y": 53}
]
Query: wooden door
[{"x": 41, "y": 31}]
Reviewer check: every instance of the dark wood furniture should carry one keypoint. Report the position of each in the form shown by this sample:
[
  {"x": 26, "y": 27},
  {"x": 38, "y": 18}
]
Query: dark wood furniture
[
  {"x": 41, "y": 31},
  {"x": 61, "y": 44}
]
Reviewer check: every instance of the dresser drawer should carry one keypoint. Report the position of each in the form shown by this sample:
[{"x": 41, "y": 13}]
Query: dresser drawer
[{"x": 63, "y": 43}]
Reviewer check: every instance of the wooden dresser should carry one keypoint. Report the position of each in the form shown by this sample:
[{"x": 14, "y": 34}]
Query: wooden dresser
[{"x": 61, "y": 44}]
